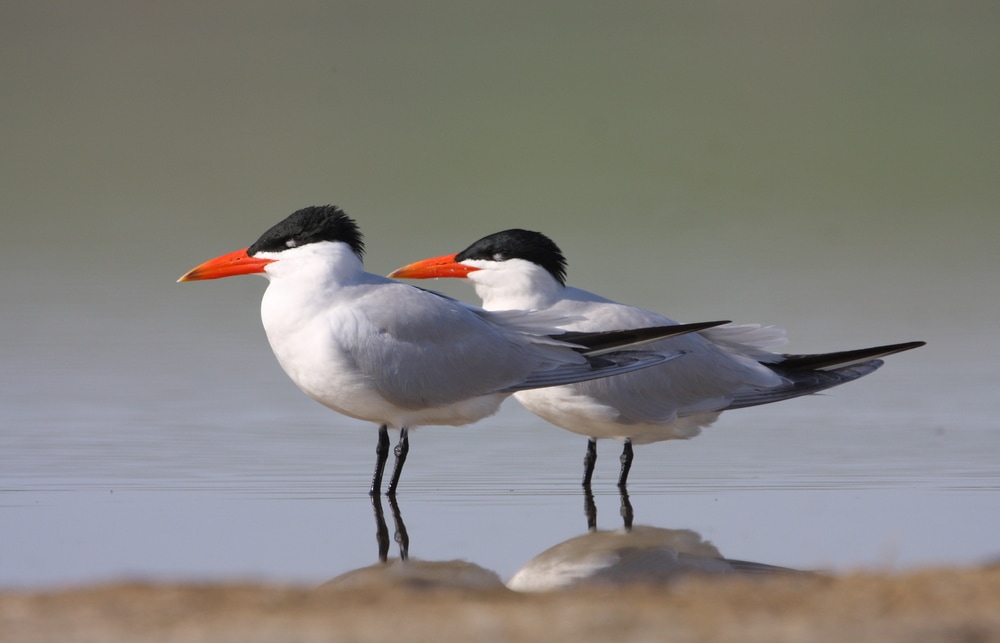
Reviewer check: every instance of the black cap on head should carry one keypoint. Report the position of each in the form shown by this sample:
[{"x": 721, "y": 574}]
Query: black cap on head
[
  {"x": 310, "y": 225},
  {"x": 519, "y": 244}
]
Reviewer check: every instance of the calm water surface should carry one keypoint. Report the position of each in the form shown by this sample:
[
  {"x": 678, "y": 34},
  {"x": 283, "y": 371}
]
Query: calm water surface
[{"x": 181, "y": 458}]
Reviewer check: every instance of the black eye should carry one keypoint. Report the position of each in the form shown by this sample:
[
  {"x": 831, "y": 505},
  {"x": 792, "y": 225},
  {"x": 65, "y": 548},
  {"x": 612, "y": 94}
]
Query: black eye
[{"x": 498, "y": 256}]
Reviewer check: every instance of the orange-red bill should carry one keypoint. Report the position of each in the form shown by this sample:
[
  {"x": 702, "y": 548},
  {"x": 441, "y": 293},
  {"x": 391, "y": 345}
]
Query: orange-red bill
[
  {"x": 432, "y": 268},
  {"x": 228, "y": 265}
]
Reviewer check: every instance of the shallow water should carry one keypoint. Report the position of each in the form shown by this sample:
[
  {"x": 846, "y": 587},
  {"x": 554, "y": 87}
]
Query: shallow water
[
  {"x": 828, "y": 170},
  {"x": 181, "y": 459}
]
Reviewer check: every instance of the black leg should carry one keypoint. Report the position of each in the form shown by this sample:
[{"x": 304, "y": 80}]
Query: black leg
[
  {"x": 381, "y": 455},
  {"x": 589, "y": 460},
  {"x": 402, "y": 448},
  {"x": 590, "y": 508},
  {"x": 627, "y": 514},
  {"x": 626, "y": 460},
  {"x": 401, "y": 537},
  {"x": 381, "y": 531}
]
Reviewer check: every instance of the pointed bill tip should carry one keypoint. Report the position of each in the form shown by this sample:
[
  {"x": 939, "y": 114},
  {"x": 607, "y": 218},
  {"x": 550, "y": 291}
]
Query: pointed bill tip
[
  {"x": 433, "y": 268},
  {"x": 227, "y": 265}
]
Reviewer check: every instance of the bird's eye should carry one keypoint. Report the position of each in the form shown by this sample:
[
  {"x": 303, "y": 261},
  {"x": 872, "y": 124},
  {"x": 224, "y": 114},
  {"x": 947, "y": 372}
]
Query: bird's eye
[
  {"x": 291, "y": 243},
  {"x": 498, "y": 256}
]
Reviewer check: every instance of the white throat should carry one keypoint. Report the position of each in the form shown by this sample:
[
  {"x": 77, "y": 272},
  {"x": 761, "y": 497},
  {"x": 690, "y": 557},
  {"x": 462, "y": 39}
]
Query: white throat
[{"x": 515, "y": 284}]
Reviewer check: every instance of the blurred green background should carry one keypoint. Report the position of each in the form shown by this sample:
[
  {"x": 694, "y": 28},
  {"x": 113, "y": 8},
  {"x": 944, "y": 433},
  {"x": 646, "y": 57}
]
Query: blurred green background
[{"x": 831, "y": 167}]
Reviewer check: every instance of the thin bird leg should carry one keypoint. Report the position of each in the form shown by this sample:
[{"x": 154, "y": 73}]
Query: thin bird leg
[
  {"x": 381, "y": 531},
  {"x": 626, "y": 460},
  {"x": 381, "y": 455},
  {"x": 402, "y": 448},
  {"x": 401, "y": 537},
  {"x": 589, "y": 460},
  {"x": 626, "y": 511},
  {"x": 590, "y": 508}
]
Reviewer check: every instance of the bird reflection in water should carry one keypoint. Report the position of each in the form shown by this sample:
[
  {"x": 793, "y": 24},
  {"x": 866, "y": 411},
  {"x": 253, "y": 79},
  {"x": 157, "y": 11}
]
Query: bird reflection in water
[
  {"x": 382, "y": 531},
  {"x": 411, "y": 573},
  {"x": 590, "y": 508},
  {"x": 635, "y": 554},
  {"x": 632, "y": 555}
]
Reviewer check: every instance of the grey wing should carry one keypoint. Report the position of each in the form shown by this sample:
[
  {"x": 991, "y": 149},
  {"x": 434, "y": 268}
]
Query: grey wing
[
  {"x": 428, "y": 351},
  {"x": 804, "y": 383},
  {"x": 707, "y": 379},
  {"x": 605, "y": 365}
]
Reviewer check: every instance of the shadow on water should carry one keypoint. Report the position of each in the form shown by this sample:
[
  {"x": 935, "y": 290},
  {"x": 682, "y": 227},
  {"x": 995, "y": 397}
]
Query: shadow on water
[{"x": 633, "y": 554}]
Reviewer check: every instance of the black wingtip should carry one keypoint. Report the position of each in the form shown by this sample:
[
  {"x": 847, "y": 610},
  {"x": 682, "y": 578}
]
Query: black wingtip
[
  {"x": 599, "y": 342},
  {"x": 844, "y": 358}
]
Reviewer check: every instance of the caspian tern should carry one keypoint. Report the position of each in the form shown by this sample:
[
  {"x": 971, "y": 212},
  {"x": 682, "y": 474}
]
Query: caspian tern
[
  {"x": 375, "y": 349},
  {"x": 728, "y": 367}
]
